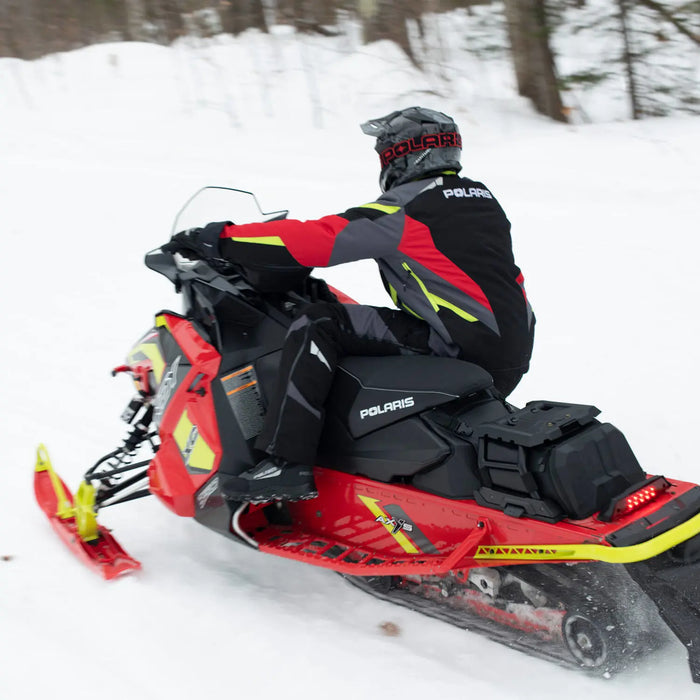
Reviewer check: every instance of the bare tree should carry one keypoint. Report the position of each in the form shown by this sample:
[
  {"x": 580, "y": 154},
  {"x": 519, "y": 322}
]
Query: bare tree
[
  {"x": 629, "y": 59},
  {"x": 528, "y": 31}
]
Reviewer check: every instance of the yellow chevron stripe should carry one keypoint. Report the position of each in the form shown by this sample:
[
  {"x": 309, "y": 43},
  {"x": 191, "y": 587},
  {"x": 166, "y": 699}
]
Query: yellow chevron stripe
[
  {"x": 455, "y": 309},
  {"x": 593, "y": 552}
]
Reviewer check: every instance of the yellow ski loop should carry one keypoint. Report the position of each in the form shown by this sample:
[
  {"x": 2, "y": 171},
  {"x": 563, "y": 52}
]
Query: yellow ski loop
[
  {"x": 64, "y": 508},
  {"x": 83, "y": 506}
]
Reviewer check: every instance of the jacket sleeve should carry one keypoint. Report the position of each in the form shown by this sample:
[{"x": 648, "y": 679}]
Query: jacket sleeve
[{"x": 364, "y": 232}]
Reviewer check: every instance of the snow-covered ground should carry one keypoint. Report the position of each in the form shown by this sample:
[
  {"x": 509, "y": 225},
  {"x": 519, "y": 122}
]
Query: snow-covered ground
[{"x": 98, "y": 149}]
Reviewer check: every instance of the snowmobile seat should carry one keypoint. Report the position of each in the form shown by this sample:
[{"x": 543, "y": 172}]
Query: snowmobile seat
[
  {"x": 372, "y": 392},
  {"x": 372, "y": 424}
]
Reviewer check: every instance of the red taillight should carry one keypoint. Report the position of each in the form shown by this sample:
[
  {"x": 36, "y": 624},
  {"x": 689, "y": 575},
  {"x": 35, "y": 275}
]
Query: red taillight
[
  {"x": 636, "y": 498},
  {"x": 639, "y": 498}
]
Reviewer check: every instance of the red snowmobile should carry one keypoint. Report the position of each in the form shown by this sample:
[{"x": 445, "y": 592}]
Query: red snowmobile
[{"x": 534, "y": 526}]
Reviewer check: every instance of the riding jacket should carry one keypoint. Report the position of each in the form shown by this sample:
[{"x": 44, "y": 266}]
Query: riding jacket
[{"x": 444, "y": 252}]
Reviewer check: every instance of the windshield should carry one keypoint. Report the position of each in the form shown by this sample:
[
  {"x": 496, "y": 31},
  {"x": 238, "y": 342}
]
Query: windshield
[{"x": 222, "y": 204}]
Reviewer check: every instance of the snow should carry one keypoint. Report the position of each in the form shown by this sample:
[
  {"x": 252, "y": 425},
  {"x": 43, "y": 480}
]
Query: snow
[{"x": 100, "y": 147}]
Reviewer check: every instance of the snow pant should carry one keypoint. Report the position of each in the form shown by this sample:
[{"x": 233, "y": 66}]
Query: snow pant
[{"x": 315, "y": 343}]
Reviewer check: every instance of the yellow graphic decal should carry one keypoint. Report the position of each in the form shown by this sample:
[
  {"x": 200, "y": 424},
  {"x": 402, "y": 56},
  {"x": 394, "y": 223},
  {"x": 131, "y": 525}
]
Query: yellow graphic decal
[
  {"x": 196, "y": 454},
  {"x": 436, "y": 302},
  {"x": 263, "y": 240},
  {"x": 395, "y": 299},
  {"x": 386, "y": 520},
  {"x": 394, "y": 295},
  {"x": 455, "y": 309},
  {"x": 594, "y": 552},
  {"x": 387, "y": 209},
  {"x": 150, "y": 351}
]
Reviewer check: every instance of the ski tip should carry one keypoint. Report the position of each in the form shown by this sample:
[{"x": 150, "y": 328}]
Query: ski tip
[{"x": 43, "y": 463}]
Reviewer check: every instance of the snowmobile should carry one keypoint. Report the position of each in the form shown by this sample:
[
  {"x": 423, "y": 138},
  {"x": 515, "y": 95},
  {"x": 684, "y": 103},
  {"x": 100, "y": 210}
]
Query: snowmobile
[{"x": 534, "y": 526}]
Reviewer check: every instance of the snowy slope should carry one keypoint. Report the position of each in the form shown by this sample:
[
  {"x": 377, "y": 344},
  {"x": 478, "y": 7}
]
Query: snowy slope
[{"x": 99, "y": 148}]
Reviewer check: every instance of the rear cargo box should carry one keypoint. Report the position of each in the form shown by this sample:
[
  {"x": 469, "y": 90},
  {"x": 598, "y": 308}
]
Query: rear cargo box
[{"x": 552, "y": 460}]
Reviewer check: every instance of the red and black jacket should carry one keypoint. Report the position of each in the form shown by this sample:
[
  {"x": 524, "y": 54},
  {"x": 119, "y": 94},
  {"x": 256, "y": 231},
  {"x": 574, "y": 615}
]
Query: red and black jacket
[{"x": 444, "y": 251}]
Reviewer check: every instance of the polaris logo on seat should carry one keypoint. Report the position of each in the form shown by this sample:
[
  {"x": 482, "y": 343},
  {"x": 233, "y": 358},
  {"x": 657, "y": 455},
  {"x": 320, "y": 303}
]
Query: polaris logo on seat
[{"x": 387, "y": 407}]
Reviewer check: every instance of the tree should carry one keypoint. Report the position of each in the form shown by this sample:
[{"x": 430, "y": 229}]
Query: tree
[
  {"x": 629, "y": 59},
  {"x": 387, "y": 19},
  {"x": 529, "y": 31},
  {"x": 239, "y": 15},
  {"x": 654, "y": 46}
]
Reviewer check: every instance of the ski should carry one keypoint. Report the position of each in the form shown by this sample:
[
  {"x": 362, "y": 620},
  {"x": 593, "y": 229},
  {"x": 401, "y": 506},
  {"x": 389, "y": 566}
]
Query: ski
[{"x": 75, "y": 522}]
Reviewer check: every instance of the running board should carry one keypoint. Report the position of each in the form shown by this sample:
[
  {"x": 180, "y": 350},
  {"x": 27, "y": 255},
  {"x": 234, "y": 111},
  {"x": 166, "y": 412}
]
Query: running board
[{"x": 358, "y": 561}]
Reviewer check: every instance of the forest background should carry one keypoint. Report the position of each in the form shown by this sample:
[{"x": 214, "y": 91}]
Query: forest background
[{"x": 651, "y": 46}]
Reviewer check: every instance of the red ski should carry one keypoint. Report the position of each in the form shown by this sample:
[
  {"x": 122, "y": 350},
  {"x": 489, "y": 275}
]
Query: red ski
[{"x": 76, "y": 524}]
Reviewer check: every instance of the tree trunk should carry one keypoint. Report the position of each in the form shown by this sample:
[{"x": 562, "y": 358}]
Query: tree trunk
[
  {"x": 239, "y": 15},
  {"x": 166, "y": 15},
  {"x": 386, "y": 19},
  {"x": 313, "y": 15},
  {"x": 136, "y": 20},
  {"x": 628, "y": 58},
  {"x": 15, "y": 29},
  {"x": 533, "y": 60}
]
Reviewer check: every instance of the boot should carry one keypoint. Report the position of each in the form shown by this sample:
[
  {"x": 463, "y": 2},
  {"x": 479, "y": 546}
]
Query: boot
[{"x": 272, "y": 479}]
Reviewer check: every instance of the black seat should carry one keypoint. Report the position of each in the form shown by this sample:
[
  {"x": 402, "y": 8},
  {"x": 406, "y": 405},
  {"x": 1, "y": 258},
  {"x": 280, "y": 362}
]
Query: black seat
[
  {"x": 372, "y": 423},
  {"x": 373, "y": 392}
]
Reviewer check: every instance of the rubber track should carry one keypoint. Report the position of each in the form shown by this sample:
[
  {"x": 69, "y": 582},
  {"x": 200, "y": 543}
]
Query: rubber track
[{"x": 552, "y": 651}]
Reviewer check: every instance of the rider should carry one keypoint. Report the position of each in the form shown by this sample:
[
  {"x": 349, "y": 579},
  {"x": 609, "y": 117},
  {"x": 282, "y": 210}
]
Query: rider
[{"x": 442, "y": 243}]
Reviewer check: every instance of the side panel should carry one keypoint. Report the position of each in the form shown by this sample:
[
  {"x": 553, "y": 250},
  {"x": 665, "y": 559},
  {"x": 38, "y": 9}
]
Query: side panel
[{"x": 190, "y": 451}]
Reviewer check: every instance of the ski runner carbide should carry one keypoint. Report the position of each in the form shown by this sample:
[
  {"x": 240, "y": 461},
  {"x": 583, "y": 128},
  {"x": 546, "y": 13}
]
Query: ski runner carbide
[{"x": 534, "y": 526}]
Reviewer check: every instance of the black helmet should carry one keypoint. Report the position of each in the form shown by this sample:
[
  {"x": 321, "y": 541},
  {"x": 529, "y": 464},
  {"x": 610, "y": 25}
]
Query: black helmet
[{"x": 414, "y": 143}]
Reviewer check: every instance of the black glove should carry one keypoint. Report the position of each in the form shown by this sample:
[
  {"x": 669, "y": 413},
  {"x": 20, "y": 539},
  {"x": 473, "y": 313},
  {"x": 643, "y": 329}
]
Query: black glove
[{"x": 198, "y": 243}]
